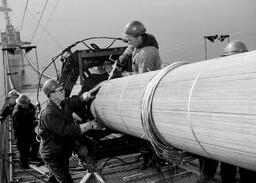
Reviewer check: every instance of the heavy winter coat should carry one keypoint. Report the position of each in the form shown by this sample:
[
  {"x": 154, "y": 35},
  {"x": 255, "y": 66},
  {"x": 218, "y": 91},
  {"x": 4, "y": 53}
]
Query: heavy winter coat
[{"x": 57, "y": 129}]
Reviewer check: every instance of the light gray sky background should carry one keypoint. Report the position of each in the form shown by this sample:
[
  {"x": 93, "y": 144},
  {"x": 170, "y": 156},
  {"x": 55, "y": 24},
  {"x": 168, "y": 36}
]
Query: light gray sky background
[{"x": 178, "y": 25}]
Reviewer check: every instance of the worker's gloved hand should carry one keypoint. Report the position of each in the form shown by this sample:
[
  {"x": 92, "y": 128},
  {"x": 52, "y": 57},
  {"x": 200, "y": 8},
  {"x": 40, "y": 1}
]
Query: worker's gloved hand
[
  {"x": 95, "y": 125},
  {"x": 87, "y": 96},
  {"x": 93, "y": 92},
  {"x": 125, "y": 73},
  {"x": 92, "y": 125},
  {"x": 84, "y": 127}
]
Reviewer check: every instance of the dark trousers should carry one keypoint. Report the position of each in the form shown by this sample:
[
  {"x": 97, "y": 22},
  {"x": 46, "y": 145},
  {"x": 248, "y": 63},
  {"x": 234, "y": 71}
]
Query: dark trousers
[
  {"x": 59, "y": 169},
  {"x": 23, "y": 146},
  {"x": 34, "y": 147},
  {"x": 228, "y": 173},
  {"x": 207, "y": 169},
  {"x": 247, "y": 176}
]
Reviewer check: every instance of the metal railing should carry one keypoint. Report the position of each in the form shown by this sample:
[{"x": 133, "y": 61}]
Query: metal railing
[{"x": 6, "y": 169}]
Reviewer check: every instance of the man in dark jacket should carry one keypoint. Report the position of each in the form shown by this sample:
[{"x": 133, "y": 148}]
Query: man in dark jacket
[
  {"x": 9, "y": 105},
  {"x": 23, "y": 124},
  {"x": 57, "y": 130}
]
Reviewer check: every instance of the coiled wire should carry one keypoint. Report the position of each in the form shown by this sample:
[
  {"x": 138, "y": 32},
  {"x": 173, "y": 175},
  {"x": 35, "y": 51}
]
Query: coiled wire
[{"x": 160, "y": 145}]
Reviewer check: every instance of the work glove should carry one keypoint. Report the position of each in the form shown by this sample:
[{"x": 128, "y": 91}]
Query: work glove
[
  {"x": 125, "y": 73},
  {"x": 95, "y": 125},
  {"x": 90, "y": 95},
  {"x": 92, "y": 125}
]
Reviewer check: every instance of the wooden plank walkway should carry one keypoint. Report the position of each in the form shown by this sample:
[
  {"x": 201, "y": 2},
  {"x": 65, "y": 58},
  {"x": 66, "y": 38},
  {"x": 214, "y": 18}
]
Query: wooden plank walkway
[{"x": 123, "y": 169}]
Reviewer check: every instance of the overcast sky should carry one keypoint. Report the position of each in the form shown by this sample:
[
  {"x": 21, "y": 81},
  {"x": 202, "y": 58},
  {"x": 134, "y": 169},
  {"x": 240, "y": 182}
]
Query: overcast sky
[{"x": 179, "y": 25}]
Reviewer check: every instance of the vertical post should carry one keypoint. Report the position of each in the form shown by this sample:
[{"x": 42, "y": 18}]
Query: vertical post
[
  {"x": 37, "y": 65},
  {"x": 205, "y": 49},
  {"x": 10, "y": 151},
  {"x": 5, "y": 79},
  {"x": 80, "y": 69},
  {"x": 22, "y": 59}
]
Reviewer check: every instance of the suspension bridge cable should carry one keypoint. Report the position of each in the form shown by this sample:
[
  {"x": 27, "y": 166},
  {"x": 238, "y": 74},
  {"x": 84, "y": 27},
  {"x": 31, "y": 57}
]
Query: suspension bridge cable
[
  {"x": 50, "y": 17},
  {"x": 26, "y": 6},
  {"x": 48, "y": 33},
  {"x": 39, "y": 20},
  {"x": 44, "y": 29},
  {"x": 10, "y": 81},
  {"x": 35, "y": 69}
]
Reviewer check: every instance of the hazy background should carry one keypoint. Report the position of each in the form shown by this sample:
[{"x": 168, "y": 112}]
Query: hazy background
[{"x": 178, "y": 25}]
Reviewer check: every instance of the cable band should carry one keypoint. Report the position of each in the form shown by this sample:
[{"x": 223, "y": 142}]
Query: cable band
[{"x": 160, "y": 145}]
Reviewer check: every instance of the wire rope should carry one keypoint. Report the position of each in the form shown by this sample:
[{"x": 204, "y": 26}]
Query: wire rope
[
  {"x": 23, "y": 17},
  {"x": 38, "y": 23},
  {"x": 50, "y": 17},
  {"x": 45, "y": 30},
  {"x": 35, "y": 69},
  {"x": 160, "y": 145},
  {"x": 8, "y": 71}
]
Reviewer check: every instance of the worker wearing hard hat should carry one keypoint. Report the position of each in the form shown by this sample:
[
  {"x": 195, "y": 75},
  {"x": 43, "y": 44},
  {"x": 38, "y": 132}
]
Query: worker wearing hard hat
[
  {"x": 9, "y": 105},
  {"x": 23, "y": 117},
  {"x": 57, "y": 130},
  {"x": 234, "y": 47},
  {"x": 209, "y": 166},
  {"x": 228, "y": 172},
  {"x": 143, "y": 49}
]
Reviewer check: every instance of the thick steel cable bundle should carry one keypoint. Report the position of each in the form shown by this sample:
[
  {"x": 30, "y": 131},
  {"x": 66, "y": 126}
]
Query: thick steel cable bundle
[
  {"x": 206, "y": 108},
  {"x": 160, "y": 145}
]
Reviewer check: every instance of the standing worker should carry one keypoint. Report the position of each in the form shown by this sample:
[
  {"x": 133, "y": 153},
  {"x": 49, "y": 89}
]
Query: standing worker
[
  {"x": 143, "y": 49},
  {"x": 143, "y": 54},
  {"x": 9, "y": 105},
  {"x": 23, "y": 117},
  {"x": 57, "y": 130},
  {"x": 228, "y": 172}
]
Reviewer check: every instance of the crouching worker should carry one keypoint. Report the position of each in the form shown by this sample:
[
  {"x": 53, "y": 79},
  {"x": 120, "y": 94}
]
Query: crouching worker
[{"x": 57, "y": 130}]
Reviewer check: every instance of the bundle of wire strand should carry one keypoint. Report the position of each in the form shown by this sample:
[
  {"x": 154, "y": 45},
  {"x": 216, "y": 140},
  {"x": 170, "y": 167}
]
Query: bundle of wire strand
[{"x": 160, "y": 145}]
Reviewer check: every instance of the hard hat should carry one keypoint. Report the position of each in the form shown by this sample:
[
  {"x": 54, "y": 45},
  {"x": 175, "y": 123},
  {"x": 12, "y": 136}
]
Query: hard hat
[
  {"x": 23, "y": 100},
  {"x": 82, "y": 150},
  {"x": 134, "y": 28},
  {"x": 234, "y": 47},
  {"x": 13, "y": 93},
  {"x": 49, "y": 86}
]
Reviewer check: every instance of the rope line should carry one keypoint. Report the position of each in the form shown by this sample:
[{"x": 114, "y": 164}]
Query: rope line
[
  {"x": 39, "y": 21},
  {"x": 23, "y": 18},
  {"x": 160, "y": 145},
  {"x": 35, "y": 69},
  {"x": 188, "y": 112},
  {"x": 49, "y": 19}
]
